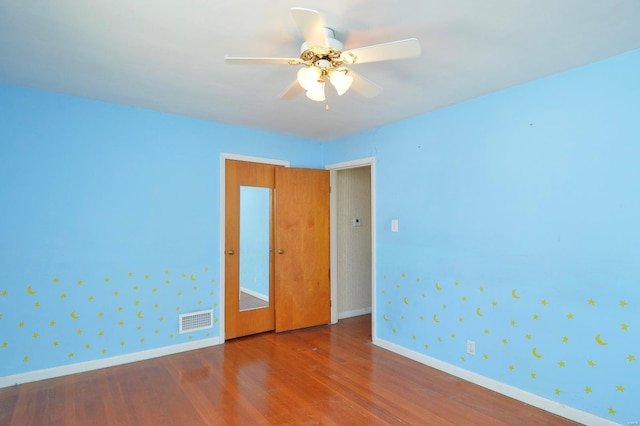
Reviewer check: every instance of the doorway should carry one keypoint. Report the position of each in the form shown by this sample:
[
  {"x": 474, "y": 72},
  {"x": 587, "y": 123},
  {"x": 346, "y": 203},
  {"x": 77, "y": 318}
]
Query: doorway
[
  {"x": 353, "y": 238},
  {"x": 275, "y": 254}
]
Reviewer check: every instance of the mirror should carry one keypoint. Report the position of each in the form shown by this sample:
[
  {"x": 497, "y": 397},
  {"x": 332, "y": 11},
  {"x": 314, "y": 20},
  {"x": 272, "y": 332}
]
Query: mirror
[{"x": 255, "y": 235}]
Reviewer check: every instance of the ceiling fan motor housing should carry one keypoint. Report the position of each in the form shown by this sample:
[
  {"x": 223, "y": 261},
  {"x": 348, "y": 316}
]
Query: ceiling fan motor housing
[{"x": 323, "y": 56}]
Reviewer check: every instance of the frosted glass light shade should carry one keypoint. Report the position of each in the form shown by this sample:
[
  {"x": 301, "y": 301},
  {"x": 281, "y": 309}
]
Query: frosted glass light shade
[
  {"x": 310, "y": 78},
  {"x": 317, "y": 93},
  {"x": 340, "y": 80}
]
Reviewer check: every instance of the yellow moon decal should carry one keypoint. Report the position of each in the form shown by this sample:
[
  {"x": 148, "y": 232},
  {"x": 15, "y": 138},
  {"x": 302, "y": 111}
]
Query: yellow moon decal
[
  {"x": 74, "y": 315},
  {"x": 192, "y": 277},
  {"x": 140, "y": 315},
  {"x": 600, "y": 341},
  {"x": 406, "y": 302},
  {"x": 30, "y": 290},
  {"x": 384, "y": 317},
  {"x": 514, "y": 294},
  {"x": 479, "y": 313},
  {"x": 438, "y": 287},
  {"x": 435, "y": 318},
  {"x": 535, "y": 353}
]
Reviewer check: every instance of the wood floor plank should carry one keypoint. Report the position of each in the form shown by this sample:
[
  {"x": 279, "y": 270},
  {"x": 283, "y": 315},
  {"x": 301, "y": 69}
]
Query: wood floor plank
[{"x": 324, "y": 375}]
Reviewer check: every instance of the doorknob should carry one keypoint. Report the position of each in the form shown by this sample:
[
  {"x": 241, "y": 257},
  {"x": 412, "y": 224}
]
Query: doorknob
[
  {"x": 280, "y": 251},
  {"x": 231, "y": 252}
]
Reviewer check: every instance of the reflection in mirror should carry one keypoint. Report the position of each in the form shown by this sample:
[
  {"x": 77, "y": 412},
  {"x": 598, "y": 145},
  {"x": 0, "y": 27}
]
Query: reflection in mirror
[{"x": 255, "y": 214}]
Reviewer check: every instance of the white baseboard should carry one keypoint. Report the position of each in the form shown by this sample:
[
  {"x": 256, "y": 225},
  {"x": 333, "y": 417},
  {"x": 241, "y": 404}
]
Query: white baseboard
[
  {"x": 81, "y": 367},
  {"x": 255, "y": 294},
  {"x": 554, "y": 407},
  {"x": 355, "y": 313}
]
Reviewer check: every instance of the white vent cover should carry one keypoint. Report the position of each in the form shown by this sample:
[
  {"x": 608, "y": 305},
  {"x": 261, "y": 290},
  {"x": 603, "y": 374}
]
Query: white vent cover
[{"x": 195, "y": 321}]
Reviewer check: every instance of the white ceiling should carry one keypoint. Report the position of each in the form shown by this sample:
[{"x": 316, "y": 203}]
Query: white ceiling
[{"x": 167, "y": 55}]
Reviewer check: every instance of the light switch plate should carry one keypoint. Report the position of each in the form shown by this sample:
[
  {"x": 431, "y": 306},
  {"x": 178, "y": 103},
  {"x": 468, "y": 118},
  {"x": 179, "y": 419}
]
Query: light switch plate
[{"x": 394, "y": 225}]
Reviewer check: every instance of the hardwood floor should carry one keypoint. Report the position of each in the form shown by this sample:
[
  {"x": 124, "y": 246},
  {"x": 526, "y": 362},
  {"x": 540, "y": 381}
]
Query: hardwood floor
[{"x": 324, "y": 375}]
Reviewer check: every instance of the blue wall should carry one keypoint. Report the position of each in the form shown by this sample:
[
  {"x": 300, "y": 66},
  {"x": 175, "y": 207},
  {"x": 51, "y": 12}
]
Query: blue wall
[
  {"x": 109, "y": 225},
  {"x": 519, "y": 229}
]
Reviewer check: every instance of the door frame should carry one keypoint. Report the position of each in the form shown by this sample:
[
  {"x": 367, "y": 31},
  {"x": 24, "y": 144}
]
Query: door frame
[
  {"x": 334, "y": 168},
  {"x": 223, "y": 157}
]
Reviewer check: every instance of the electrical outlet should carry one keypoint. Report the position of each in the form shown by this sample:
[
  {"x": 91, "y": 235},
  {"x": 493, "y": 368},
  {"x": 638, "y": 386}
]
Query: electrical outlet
[{"x": 471, "y": 347}]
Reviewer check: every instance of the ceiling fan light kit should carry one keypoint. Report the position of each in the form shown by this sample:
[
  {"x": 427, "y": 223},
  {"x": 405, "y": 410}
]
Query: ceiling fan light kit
[{"x": 323, "y": 57}]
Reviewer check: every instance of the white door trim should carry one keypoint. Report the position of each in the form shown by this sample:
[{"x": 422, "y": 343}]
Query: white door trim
[
  {"x": 227, "y": 156},
  {"x": 333, "y": 168}
]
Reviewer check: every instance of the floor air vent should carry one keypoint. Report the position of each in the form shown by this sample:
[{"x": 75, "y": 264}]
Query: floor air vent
[{"x": 195, "y": 321}]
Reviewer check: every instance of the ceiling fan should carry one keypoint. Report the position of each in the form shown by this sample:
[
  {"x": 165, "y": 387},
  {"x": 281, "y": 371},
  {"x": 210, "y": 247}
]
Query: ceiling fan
[{"x": 323, "y": 58}]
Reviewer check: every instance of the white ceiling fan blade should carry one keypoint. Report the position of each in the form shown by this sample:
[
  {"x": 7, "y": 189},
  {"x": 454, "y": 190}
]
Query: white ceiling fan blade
[
  {"x": 402, "y": 49},
  {"x": 292, "y": 91},
  {"x": 311, "y": 26},
  {"x": 364, "y": 87},
  {"x": 251, "y": 61}
]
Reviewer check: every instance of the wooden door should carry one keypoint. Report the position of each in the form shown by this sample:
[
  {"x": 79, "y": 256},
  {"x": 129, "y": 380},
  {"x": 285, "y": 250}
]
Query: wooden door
[
  {"x": 302, "y": 259},
  {"x": 249, "y": 320}
]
